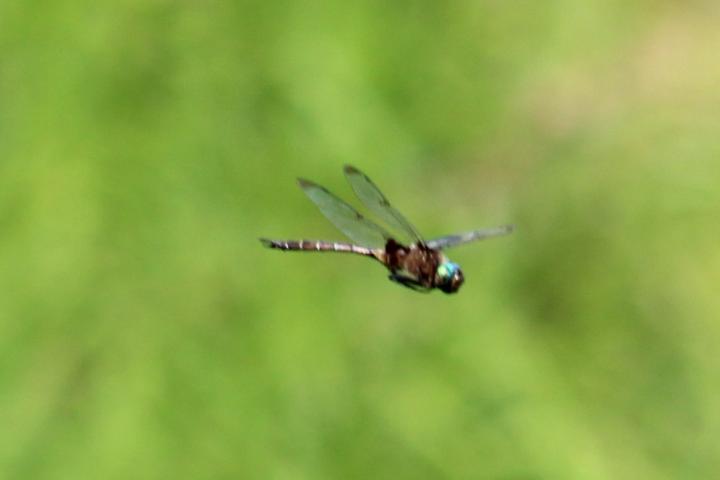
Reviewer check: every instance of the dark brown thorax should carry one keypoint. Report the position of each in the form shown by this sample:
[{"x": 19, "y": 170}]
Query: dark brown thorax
[{"x": 418, "y": 261}]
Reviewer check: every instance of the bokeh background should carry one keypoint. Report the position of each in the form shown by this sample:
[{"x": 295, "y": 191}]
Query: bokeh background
[{"x": 145, "y": 333}]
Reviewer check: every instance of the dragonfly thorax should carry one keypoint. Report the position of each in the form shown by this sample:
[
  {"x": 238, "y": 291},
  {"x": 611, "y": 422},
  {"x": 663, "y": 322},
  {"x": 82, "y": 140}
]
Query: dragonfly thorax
[{"x": 448, "y": 277}]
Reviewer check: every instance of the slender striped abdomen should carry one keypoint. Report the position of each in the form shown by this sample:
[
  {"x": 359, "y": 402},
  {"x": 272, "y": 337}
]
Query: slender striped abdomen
[{"x": 316, "y": 246}]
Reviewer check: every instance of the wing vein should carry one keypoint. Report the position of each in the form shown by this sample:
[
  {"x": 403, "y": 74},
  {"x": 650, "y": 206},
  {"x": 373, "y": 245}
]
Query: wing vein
[
  {"x": 348, "y": 220},
  {"x": 467, "y": 237},
  {"x": 375, "y": 201}
]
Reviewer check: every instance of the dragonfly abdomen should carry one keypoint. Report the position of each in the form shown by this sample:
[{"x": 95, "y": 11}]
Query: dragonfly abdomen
[{"x": 316, "y": 246}]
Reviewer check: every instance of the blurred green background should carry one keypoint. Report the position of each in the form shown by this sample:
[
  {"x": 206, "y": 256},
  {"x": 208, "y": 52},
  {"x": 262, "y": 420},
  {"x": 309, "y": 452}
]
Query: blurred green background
[{"x": 145, "y": 333}]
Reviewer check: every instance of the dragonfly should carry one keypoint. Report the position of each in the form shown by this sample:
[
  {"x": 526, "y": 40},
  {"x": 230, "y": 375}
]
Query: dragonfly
[{"x": 418, "y": 264}]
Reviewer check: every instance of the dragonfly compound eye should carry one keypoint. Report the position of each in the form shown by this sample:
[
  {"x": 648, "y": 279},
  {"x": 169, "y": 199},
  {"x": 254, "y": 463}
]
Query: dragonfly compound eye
[{"x": 449, "y": 277}]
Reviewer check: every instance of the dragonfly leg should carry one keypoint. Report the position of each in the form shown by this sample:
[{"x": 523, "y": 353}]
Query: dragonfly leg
[{"x": 408, "y": 283}]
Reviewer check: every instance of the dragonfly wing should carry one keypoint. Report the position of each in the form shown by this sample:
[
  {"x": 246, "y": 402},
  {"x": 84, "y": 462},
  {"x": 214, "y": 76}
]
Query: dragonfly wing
[
  {"x": 348, "y": 220},
  {"x": 454, "y": 240},
  {"x": 376, "y": 202}
]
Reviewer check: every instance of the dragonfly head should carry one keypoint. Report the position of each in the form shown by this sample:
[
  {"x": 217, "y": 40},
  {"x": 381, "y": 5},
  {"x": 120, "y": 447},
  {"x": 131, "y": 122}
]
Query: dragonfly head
[{"x": 449, "y": 277}]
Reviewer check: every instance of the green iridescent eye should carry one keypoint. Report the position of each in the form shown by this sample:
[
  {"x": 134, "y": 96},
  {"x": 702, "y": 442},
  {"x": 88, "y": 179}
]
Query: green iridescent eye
[{"x": 447, "y": 269}]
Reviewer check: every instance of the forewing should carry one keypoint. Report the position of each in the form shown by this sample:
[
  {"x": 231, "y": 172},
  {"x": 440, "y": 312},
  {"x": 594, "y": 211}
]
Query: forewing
[
  {"x": 454, "y": 240},
  {"x": 376, "y": 202},
  {"x": 348, "y": 220}
]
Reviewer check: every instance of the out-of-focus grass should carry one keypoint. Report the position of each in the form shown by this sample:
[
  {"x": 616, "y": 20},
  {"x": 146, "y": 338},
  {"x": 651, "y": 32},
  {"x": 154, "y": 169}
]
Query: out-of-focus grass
[{"x": 145, "y": 333}]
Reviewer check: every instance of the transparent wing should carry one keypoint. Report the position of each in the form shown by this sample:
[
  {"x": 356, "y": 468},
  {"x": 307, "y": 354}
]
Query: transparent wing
[
  {"x": 376, "y": 202},
  {"x": 356, "y": 227},
  {"x": 454, "y": 240}
]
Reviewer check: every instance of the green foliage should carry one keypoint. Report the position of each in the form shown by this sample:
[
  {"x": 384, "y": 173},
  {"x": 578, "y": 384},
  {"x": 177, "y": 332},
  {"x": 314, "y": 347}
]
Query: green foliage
[{"x": 145, "y": 332}]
